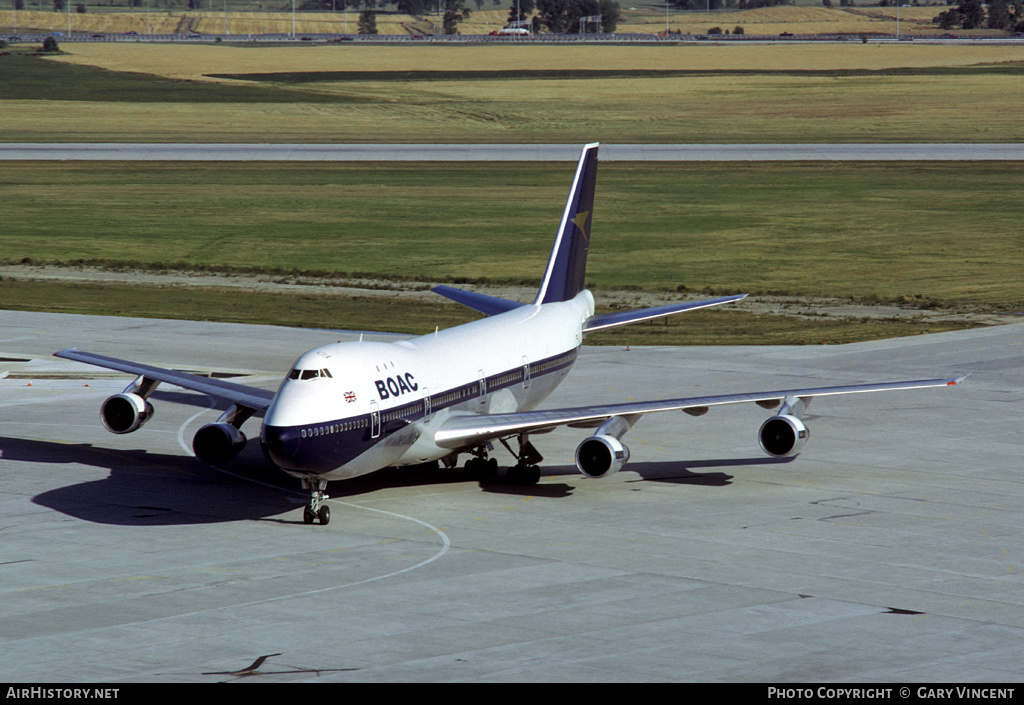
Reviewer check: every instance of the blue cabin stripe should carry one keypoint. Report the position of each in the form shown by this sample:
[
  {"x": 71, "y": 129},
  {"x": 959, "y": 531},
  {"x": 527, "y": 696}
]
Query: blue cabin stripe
[{"x": 329, "y": 445}]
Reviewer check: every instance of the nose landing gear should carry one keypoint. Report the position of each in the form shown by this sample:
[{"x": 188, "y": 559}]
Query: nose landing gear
[{"x": 316, "y": 509}]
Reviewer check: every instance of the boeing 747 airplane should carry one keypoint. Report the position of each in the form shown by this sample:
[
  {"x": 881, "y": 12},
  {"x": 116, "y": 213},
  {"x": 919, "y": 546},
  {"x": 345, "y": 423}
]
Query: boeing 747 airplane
[{"x": 348, "y": 409}]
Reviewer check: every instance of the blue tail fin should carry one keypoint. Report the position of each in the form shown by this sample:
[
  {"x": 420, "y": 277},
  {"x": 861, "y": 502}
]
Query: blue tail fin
[{"x": 567, "y": 266}]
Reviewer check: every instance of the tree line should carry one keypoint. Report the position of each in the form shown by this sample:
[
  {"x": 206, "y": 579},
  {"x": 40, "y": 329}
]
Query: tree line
[
  {"x": 563, "y": 16},
  {"x": 971, "y": 14},
  {"x": 554, "y": 16},
  {"x": 723, "y": 4}
]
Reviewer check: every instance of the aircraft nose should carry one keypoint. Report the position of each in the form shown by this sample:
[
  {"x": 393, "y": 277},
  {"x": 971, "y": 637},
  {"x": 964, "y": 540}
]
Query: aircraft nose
[{"x": 280, "y": 445}]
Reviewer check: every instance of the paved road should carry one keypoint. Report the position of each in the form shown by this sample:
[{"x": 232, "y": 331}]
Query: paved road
[
  {"x": 890, "y": 550},
  {"x": 509, "y": 152}
]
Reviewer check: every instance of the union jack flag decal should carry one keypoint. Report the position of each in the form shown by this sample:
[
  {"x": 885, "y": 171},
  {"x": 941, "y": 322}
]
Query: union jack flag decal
[{"x": 350, "y": 397}]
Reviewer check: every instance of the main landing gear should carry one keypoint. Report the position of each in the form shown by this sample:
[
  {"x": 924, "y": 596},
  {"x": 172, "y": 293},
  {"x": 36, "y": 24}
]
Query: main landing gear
[
  {"x": 524, "y": 472},
  {"x": 316, "y": 509},
  {"x": 480, "y": 467}
]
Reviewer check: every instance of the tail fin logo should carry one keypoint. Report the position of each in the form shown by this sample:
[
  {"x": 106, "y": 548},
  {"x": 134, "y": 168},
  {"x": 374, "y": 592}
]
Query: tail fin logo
[{"x": 582, "y": 222}]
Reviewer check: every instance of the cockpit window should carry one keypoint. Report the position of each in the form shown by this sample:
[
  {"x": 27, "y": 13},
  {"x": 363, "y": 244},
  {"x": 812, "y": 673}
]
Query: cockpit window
[{"x": 308, "y": 374}]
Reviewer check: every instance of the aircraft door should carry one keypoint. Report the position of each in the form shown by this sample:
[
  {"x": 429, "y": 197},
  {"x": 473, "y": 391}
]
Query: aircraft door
[{"x": 374, "y": 420}]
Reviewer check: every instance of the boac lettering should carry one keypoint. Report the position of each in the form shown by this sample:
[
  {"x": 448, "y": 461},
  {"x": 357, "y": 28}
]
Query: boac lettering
[{"x": 396, "y": 386}]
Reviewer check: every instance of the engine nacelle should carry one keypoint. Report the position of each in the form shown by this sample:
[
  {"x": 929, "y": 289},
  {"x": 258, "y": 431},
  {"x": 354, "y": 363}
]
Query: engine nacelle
[
  {"x": 783, "y": 435},
  {"x": 601, "y": 456},
  {"x": 217, "y": 443},
  {"x": 124, "y": 413}
]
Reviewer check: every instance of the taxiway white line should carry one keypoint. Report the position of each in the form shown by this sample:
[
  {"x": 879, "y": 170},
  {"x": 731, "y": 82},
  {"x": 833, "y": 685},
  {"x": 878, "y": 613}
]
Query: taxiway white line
[
  {"x": 445, "y": 545},
  {"x": 445, "y": 541},
  {"x": 181, "y": 429}
]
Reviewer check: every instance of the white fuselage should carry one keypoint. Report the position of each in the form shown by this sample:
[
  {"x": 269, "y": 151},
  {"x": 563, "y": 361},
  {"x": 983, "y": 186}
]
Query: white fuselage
[{"x": 347, "y": 409}]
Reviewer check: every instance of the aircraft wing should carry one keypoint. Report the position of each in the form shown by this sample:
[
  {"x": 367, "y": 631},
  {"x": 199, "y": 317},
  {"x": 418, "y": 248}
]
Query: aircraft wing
[
  {"x": 240, "y": 394},
  {"x": 472, "y": 430}
]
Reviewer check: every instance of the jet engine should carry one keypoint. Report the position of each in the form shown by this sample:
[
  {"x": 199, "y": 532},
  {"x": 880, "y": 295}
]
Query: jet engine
[
  {"x": 783, "y": 435},
  {"x": 217, "y": 443},
  {"x": 126, "y": 412},
  {"x": 601, "y": 456}
]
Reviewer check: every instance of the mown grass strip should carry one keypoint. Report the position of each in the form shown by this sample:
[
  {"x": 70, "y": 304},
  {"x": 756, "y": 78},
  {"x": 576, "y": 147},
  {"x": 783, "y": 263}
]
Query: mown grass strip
[{"x": 312, "y": 310}]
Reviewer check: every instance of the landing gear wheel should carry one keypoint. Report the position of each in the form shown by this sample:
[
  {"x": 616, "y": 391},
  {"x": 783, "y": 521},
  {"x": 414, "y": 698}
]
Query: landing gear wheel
[
  {"x": 482, "y": 468},
  {"x": 490, "y": 470},
  {"x": 523, "y": 475},
  {"x": 324, "y": 515},
  {"x": 308, "y": 515},
  {"x": 526, "y": 471}
]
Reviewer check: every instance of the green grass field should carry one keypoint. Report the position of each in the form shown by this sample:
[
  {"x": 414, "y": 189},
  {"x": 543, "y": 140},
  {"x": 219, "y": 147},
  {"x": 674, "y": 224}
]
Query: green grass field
[
  {"x": 948, "y": 232},
  {"x": 929, "y": 234}
]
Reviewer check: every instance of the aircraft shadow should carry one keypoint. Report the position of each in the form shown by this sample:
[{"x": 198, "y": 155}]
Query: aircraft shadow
[
  {"x": 155, "y": 489},
  {"x": 680, "y": 472},
  {"x": 674, "y": 472},
  {"x": 419, "y": 476}
]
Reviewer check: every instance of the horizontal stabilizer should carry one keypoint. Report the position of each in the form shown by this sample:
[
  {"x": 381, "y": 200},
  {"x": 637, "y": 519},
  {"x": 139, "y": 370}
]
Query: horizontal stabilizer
[
  {"x": 489, "y": 305},
  {"x": 603, "y": 321}
]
